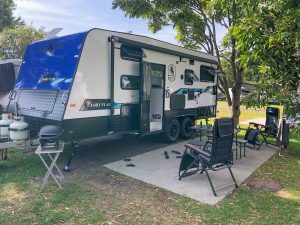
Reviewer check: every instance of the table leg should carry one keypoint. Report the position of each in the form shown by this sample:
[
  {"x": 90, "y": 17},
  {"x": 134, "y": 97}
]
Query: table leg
[
  {"x": 50, "y": 168},
  {"x": 46, "y": 165},
  {"x": 48, "y": 171},
  {"x": 57, "y": 168},
  {"x": 236, "y": 144},
  {"x": 240, "y": 151}
]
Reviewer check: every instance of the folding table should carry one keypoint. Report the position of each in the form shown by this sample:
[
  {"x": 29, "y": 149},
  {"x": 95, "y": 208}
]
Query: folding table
[
  {"x": 204, "y": 128},
  {"x": 53, "y": 154},
  {"x": 4, "y": 148}
]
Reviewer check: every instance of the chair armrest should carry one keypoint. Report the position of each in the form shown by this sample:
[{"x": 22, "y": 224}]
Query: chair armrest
[
  {"x": 241, "y": 141},
  {"x": 198, "y": 150},
  {"x": 270, "y": 127},
  {"x": 196, "y": 142},
  {"x": 200, "y": 143},
  {"x": 257, "y": 125}
]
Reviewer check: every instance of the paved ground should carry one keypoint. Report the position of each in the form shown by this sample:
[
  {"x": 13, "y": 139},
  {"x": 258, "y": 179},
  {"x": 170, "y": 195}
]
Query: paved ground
[
  {"x": 98, "y": 153},
  {"x": 152, "y": 167}
]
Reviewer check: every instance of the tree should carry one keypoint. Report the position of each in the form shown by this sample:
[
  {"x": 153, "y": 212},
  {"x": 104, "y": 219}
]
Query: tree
[
  {"x": 13, "y": 41},
  {"x": 7, "y": 20},
  {"x": 269, "y": 38},
  {"x": 195, "y": 22}
]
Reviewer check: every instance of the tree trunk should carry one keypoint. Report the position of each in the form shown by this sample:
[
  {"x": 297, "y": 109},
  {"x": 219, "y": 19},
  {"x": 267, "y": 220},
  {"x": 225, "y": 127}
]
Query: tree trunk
[
  {"x": 236, "y": 111},
  {"x": 228, "y": 97}
]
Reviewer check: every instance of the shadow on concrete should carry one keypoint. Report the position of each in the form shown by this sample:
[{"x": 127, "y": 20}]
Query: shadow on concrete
[{"x": 111, "y": 149}]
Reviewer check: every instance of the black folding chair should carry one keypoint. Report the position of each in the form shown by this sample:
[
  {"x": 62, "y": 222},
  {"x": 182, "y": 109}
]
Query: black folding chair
[
  {"x": 250, "y": 141},
  {"x": 215, "y": 154},
  {"x": 270, "y": 128}
]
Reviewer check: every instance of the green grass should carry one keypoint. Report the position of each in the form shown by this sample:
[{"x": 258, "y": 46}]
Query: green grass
[
  {"x": 105, "y": 197},
  {"x": 22, "y": 203},
  {"x": 246, "y": 113}
]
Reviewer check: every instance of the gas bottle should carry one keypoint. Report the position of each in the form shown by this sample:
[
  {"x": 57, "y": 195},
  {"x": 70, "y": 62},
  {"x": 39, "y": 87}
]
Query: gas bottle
[
  {"x": 4, "y": 125},
  {"x": 19, "y": 130}
]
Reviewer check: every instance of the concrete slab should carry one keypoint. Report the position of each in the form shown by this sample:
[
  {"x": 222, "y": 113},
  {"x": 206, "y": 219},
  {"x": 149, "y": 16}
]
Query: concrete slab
[
  {"x": 260, "y": 120},
  {"x": 99, "y": 152},
  {"x": 153, "y": 168}
]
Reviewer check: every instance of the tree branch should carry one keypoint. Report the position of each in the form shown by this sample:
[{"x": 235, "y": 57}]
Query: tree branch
[
  {"x": 223, "y": 23},
  {"x": 223, "y": 57}
]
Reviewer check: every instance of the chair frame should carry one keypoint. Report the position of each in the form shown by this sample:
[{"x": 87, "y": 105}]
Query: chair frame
[
  {"x": 262, "y": 130},
  {"x": 206, "y": 150},
  {"x": 244, "y": 143}
]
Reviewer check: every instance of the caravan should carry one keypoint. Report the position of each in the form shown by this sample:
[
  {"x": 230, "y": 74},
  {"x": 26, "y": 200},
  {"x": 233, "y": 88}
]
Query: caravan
[
  {"x": 101, "y": 82},
  {"x": 9, "y": 70}
]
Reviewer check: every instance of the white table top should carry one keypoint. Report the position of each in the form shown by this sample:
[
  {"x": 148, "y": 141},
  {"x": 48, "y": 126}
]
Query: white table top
[{"x": 60, "y": 149}]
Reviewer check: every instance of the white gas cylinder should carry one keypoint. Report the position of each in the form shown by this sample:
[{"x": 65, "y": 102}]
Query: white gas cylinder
[
  {"x": 19, "y": 130},
  {"x": 4, "y": 125}
]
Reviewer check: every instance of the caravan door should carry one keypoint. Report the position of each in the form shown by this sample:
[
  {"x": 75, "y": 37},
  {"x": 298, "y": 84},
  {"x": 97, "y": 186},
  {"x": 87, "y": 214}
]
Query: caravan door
[{"x": 145, "y": 96}]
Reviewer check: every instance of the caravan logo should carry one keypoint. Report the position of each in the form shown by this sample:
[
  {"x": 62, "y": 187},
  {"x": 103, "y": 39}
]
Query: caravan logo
[
  {"x": 95, "y": 104},
  {"x": 171, "y": 73}
]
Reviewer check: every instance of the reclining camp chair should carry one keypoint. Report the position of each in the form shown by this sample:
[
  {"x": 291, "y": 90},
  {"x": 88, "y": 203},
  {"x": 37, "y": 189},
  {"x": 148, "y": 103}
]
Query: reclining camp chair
[
  {"x": 215, "y": 155},
  {"x": 270, "y": 128},
  {"x": 250, "y": 141}
]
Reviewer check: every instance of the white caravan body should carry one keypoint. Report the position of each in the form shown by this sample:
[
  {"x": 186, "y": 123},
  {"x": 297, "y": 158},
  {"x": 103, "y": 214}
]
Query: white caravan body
[{"x": 102, "y": 82}]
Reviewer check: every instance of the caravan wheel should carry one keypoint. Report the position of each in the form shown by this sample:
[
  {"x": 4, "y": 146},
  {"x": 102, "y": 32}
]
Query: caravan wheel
[
  {"x": 172, "y": 130},
  {"x": 185, "y": 131}
]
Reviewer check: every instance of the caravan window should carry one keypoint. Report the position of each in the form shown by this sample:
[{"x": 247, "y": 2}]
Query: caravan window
[
  {"x": 205, "y": 75},
  {"x": 157, "y": 76},
  {"x": 189, "y": 77},
  {"x": 130, "y": 82},
  {"x": 131, "y": 53}
]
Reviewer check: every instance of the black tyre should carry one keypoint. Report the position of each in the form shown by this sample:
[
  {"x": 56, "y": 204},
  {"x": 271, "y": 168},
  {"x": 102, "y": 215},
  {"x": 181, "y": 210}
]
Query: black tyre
[
  {"x": 172, "y": 130},
  {"x": 185, "y": 130}
]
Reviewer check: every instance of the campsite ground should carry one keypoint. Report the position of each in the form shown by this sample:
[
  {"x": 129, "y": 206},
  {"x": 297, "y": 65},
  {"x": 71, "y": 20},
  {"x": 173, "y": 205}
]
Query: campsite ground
[{"x": 99, "y": 196}]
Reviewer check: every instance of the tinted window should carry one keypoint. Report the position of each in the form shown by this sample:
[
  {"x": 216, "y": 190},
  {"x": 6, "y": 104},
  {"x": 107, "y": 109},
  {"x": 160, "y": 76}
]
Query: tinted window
[
  {"x": 131, "y": 53},
  {"x": 130, "y": 82},
  {"x": 157, "y": 77},
  {"x": 189, "y": 77},
  {"x": 205, "y": 75}
]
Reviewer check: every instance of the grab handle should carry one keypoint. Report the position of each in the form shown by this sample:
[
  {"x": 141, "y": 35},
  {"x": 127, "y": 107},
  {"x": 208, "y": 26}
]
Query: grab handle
[
  {"x": 12, "y": 95},
  {"x": 63, "y": 101}
]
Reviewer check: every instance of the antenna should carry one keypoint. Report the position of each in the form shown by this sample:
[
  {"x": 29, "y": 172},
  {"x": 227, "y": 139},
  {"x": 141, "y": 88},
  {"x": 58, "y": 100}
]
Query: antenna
[{"x": 52, "y": 33}]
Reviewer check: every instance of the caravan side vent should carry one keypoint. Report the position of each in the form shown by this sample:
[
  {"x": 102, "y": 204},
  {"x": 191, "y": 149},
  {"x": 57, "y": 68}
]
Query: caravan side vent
[{"x": 177, "y": 102}]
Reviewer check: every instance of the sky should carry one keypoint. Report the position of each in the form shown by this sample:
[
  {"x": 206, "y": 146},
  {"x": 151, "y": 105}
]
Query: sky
[{"x": 81, "y": 15}]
